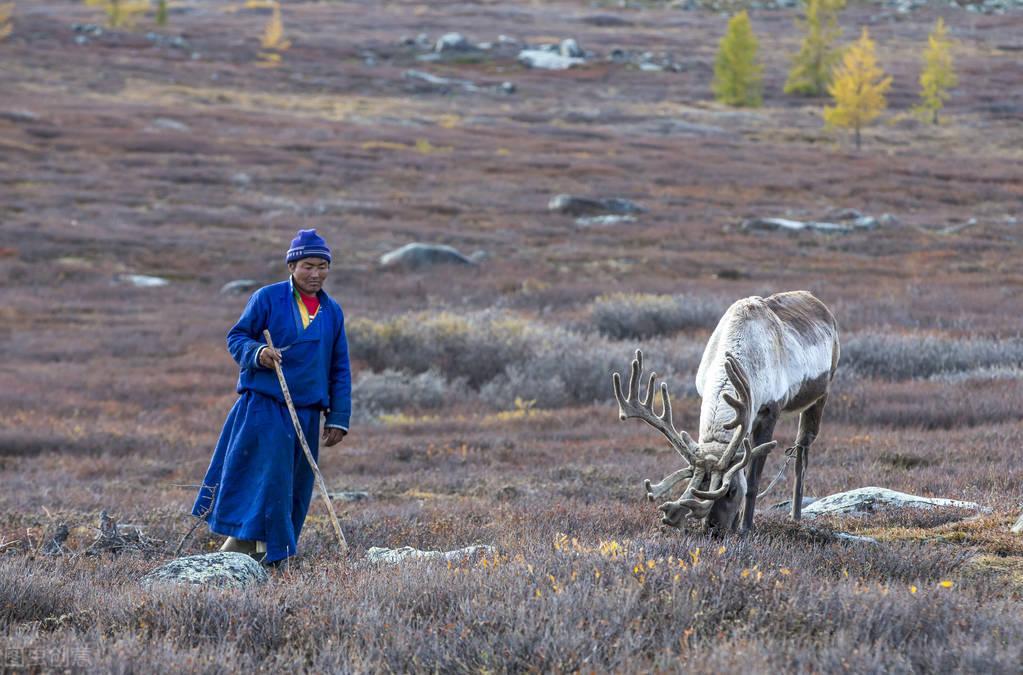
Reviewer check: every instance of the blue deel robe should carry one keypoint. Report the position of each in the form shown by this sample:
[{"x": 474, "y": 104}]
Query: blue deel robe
[{"x": 259, "y": 483}]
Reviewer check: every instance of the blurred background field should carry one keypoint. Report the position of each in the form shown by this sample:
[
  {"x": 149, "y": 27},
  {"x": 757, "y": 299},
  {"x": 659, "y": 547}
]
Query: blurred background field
[{"x": 190, "y": 152}]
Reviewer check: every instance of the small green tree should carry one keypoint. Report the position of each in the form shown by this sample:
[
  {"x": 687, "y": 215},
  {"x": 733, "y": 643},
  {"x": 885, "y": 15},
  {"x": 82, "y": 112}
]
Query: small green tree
[
  {"x": 858, "y": 88},
  {"x": 737, "y": 75},
  {"x": 938, "y": 75},
  {"x": 161, "y": 13},
  {"x": 811, "y": 67}
]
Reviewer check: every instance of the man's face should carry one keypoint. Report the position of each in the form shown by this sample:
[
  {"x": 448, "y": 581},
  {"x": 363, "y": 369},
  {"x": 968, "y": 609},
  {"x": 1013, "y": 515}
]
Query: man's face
[{"x": 309, "y": 274}]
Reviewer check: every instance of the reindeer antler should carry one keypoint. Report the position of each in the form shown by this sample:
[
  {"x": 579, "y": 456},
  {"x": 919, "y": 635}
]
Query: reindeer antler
[{"x": 633, "y": 406}]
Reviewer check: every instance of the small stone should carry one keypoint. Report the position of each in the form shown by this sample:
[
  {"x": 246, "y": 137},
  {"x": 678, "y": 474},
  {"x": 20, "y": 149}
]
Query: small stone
[
  {"x": 349, "y": 496},
  {"x": 169, "y": 124},
  {"x": 543, "y": 59},
  {"x": 586, "y": 206},
  {"x": 1018, "y": 527},
  {"x": 508, "y": 88},
  {"x": 452, "y": 42},
  {"x": 603, "y": 221},
  {"x": 143, "y": 281}
]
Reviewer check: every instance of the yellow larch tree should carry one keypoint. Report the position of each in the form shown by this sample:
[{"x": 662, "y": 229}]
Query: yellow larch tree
[
  {"x": 811, "y": 67},
  {"x": 6, "y": 27},
  {"x": 737, "y": 74},
  {"x": 121, "y": 13},
  {"x": 858, "y": 88},
  {"x": 938, "y": 75},
  {"x": 273, "y": 40}
]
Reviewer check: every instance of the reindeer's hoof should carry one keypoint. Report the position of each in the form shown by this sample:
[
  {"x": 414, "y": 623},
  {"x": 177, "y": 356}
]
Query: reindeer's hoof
[{"x": 649, "y": 493}]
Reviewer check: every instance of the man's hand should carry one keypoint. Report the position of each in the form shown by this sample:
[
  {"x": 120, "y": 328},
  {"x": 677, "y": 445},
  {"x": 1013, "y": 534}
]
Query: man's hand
[
  {"x": 268, "y": 357},
  {"x": 333, "y": 436}
]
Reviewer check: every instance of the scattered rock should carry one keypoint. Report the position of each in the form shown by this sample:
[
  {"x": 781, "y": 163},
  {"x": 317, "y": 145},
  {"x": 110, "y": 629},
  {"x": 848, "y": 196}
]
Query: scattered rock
[
  {"x": 239, "y": 286},
  {"x": 452, "y": 42},
  {"x": 777, "y": 224},
  {"x": 87, "y": 29},
  {"x": 570, "y": 49},
  {"x": 546, "y": 60},
  {"x": 603, "y": 221},
  {"x": 231, "y": 570},
  {"x": 857, "y": 538},
  {"x": 1018, "y": 527},
  {"x": 142, "y": 280},
  {"x": 392, "y": 556},
  {"x": 349, "y": 496},
  {"x": 868, "y": 499},
  {"x": 169, "y": 124},
  {"x": 19, "y": 116},
  {"x": 417, "y": 256},
  {"x": 586, "y": 206},
  {"x": 241, "y": 179}
]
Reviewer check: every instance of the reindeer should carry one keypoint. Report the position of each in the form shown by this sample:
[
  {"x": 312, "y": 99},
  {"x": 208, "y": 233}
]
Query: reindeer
[{"x": 766, "y": 356}]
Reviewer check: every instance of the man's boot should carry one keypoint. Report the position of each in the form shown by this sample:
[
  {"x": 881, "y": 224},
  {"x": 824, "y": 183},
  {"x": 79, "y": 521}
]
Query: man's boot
[{"x": 233, "y": 545}]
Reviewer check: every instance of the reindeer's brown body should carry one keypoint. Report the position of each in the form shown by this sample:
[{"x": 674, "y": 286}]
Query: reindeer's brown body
[{"x": 766, "y": 356}]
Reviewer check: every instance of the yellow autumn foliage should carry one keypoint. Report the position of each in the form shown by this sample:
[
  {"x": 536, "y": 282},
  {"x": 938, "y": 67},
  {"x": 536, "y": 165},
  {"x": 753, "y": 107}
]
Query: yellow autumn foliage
[
  {"x": 938, "y": 75},
  {"x": 858, "y": 88},
  {"x": 6, "y": 28},
  {"x": 121, "y": 13}
]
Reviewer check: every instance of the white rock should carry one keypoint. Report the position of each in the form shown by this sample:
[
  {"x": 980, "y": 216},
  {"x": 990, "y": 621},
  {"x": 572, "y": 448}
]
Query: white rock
[
  {"x": 378, "y": 555},
  {"x": 232, "y": 570},
  {"x": 169, "y": 124},
  {"x": 868, "y": 499},
  {"x": 1018, "y": 527},
  {"x": 855, "y": 538},
  {"x": 570, "y": 48},
  {"x": 452, "y": 42},
  {"x": 545, "y": 60},
  {"x": 775, "y": 224},
  {"x": 143, "y": 281},
  {"x": 603, "y": 221}
]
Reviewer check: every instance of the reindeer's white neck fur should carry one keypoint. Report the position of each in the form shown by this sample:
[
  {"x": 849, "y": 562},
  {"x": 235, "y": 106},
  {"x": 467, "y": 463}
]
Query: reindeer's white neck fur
[{"x": 782, "y": 342}]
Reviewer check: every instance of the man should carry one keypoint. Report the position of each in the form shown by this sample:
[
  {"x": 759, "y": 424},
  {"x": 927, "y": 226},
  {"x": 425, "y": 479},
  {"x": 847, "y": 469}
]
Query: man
[{"x": 259, "y": 483}]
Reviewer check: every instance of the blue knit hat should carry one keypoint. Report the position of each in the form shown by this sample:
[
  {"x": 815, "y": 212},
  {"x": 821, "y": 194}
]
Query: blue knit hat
[{"x": 308, "y": 244}]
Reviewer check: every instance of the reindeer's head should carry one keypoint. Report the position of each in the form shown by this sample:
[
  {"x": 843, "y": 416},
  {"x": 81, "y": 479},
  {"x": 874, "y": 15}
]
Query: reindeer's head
[{"x": 716, "y": 484}]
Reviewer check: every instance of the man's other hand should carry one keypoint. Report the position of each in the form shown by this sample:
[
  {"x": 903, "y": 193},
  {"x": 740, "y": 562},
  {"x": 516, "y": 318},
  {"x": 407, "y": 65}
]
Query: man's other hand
[
  {"x": 268, "y": 357},
  {"x": 333, "y": 436}
]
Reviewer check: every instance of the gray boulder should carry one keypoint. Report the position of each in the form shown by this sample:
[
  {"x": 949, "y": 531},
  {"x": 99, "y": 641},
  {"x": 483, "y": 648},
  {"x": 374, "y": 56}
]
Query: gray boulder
[
  {"x": 866, "y": 500},
  {"x": 452, "y": 42},
  {"x": 231, "y": 570},
  {"x": 392, "y": 556},
  {"x": 239, "y": 286},
  {"x": 419, "y": 256},
  {"x": 586, "y": 206}
]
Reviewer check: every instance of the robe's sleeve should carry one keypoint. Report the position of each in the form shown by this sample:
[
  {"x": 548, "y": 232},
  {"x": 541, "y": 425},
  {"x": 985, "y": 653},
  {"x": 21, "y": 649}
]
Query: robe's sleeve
[
  {"x": 340, "y": 382},
  {"x": 243, "y": 339}
]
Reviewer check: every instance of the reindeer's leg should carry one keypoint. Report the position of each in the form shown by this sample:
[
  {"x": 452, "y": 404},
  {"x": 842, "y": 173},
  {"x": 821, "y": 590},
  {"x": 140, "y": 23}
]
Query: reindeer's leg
[
  {"x": 763, "y": 432},
  {"x": 809, "y": 425}
]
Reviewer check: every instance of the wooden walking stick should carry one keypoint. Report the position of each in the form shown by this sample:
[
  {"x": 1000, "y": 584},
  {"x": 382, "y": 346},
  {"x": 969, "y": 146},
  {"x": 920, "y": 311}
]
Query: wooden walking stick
[{"x": 305, "y": 447}]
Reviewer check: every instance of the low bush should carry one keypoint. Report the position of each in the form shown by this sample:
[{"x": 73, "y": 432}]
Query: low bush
[
  {"x": 903, "y": 357},
  {"x": 640, "y": 315}
]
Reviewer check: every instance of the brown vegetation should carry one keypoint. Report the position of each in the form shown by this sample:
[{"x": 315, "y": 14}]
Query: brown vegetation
[{"x": 135, "y": 155}]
